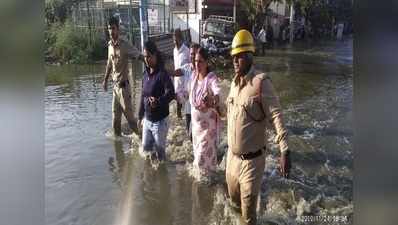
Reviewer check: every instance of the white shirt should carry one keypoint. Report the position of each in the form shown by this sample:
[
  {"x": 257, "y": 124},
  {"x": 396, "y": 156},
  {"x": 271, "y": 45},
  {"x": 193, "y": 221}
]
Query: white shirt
[
  {"x": 183, "y": 94},
  {"x": 262, "y": 36},
  {"x": 181, "y": 57}
]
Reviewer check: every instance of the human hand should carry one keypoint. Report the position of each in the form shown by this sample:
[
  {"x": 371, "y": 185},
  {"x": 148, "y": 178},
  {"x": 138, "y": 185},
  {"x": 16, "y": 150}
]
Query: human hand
[
  {"x": 105, "y": 85},
  {"x": 285, "y": 164},
  {"x": 177, "y": 73},
  {"x": 210, "y": 101},
  {"x": 153, "y": 102},
  {"x": 186, "y": 95}
]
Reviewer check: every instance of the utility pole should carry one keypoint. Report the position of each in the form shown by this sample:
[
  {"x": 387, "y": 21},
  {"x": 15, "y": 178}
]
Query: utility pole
[
  {"x": 164, "y": 16},
  {"x": 130, "y": 22},
  {"x": 89, "y": 23},
  {"x": 187, "y": 19},
  {"x": 234, "y": 13},
  {"x": 291, "y": 22},
  {"x": 143, "y": 22}
]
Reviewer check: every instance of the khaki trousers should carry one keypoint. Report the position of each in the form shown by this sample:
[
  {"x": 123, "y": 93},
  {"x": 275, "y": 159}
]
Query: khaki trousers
[
  {"x": 244, "y": 182},
  {"x": 122, "y": 104}
]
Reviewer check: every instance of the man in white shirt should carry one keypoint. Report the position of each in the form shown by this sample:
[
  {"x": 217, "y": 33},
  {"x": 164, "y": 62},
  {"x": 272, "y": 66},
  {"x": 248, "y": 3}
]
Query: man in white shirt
[
  {"x": 186, "y": 72},
  {"x": 262, "y": 35},
  {"x": 181, "y": 57}
]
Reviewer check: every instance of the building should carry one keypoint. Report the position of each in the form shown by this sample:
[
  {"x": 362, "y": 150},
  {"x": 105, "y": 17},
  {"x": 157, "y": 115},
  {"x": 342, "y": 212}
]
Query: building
[
  {"x": 277, "y": 15},
  {"x": 163, "y": 16},
  {"x": 196, "y": 11}
]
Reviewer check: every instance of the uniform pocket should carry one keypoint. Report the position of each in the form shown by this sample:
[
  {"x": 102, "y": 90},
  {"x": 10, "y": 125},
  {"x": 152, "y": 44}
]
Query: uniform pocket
[
  {"x": 230, "y": 103},
  {"x": 253, "y": 109}
]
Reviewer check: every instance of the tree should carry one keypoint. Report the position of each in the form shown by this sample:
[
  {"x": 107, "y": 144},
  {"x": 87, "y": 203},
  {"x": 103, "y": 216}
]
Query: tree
[
  {"x": 253, "y": 10},
  {"x": 321, "y": 14},
  {"x": 324, "y": 14},
  {"x": 58, "y": 10}
]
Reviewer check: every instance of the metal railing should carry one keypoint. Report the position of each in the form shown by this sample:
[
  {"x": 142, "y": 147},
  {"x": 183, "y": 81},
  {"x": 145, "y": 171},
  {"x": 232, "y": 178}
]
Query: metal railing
[{"x": 225, "y": 18}]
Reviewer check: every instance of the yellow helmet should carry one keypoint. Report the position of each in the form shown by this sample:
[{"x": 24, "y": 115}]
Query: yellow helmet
[{"x": 242, "y": 42}]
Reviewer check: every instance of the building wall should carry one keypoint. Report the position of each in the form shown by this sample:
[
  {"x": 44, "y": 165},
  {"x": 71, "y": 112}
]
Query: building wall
[
  {"x": 179, "y": 20},
  {"x": 280, "y": 10}
]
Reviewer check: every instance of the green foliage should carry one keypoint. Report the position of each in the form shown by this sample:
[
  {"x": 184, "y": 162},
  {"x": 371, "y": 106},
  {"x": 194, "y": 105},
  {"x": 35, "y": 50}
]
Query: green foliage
[
  {"x": 70, "y": 44},
  {"x": 66, "y": 43},
  {"x": 339, "y": 10},
  {"x": 249, "y": 7},
  {"x": 58, "y": 10},
  {"x": 98, "y": 49}
]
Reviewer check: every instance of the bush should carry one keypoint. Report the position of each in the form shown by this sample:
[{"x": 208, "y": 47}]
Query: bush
[
  {"x": 99, "y": 48},
  {"x": 70, "y": 44},
  {"x": 66, "y": 43}
]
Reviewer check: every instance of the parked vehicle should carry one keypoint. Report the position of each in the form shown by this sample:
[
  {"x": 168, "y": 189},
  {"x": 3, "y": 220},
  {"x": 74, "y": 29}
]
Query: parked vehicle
[{"x": 217, "y": 35}]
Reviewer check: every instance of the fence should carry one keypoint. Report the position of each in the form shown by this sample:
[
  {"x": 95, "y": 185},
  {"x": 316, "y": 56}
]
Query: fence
[{"x": 93, "y": 15}]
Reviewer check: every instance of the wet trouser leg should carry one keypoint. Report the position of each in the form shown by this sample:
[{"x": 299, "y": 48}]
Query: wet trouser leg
[
  {"x": 232, "y": 173},
  {"x": 127, "y": 107},
  {"x": 188, "y": 125},
  {"x": 179, "y": 107},
  {"x": 244, "y": 182},
  {"x": 147, "y": 137},
  {"x": 116, "y": 114},
  {"x": 159, "y": 130},
  {"x": 154, "y": 136}
]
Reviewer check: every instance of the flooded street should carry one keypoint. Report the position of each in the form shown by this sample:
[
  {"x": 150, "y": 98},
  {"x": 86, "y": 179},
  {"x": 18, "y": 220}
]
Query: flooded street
[{"x": 93, "y": 178}]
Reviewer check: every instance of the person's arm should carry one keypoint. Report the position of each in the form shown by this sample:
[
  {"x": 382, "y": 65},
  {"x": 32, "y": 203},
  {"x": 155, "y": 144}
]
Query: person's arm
[
  {"x": 108, "y": 70},
  {"x": 187, "y": 82},
  {"x": 259, "y": 34},
  {"x": 215, "y": 89},
  {"x": 142, "y": 107},
  {"x": 179, "y": 93},
  {"x": 273, "y": 111},
  {"x": 185, "y": 57},
  {"x": 168, "y": 94},
  {"x": 272, "y": 108},
  {"x": 177, "y": 73}
]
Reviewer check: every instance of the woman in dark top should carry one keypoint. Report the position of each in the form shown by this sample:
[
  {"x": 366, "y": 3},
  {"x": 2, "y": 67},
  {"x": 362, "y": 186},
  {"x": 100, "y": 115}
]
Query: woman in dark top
[{"x": 157, "y": 92}]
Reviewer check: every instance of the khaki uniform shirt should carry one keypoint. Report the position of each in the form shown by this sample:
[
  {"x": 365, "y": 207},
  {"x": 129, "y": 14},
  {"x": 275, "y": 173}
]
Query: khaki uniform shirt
[
  {"x": 118, "y": 54},
  {"x": 244, "y": 133}
]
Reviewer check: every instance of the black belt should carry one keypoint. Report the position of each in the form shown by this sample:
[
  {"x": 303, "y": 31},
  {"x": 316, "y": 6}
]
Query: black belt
[
  {"x": 123, "y": 84},
  {"x": 252, "y": 155}
]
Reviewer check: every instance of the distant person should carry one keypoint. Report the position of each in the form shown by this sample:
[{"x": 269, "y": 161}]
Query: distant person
[
  {"x": 204, "y": 99},
  {"x": 117, "y": 65},
  {"x": 284, "y": 34},
  {"x": 157, "y": 93},
  {"x": 252, "y": 103},
  {"x": 262, "y": 35},
  {"x": 181, "y": 57},
  {"x": 270, "y": 35},
  {"x": 186, "y": 72}
]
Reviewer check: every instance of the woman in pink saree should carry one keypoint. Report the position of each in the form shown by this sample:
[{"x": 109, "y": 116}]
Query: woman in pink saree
[{"x": 204, "y": 98}]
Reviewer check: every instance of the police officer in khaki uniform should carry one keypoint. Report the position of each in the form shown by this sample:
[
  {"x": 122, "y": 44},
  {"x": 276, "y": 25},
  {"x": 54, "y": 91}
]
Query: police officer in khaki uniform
[
  {"x": 251, "y": 103},
  {"x": 118, "y": 53}
]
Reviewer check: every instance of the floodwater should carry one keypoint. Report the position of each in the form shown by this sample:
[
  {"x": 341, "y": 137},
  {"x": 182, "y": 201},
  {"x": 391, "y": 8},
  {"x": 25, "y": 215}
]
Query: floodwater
[{"x": 93, "y": 178}]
